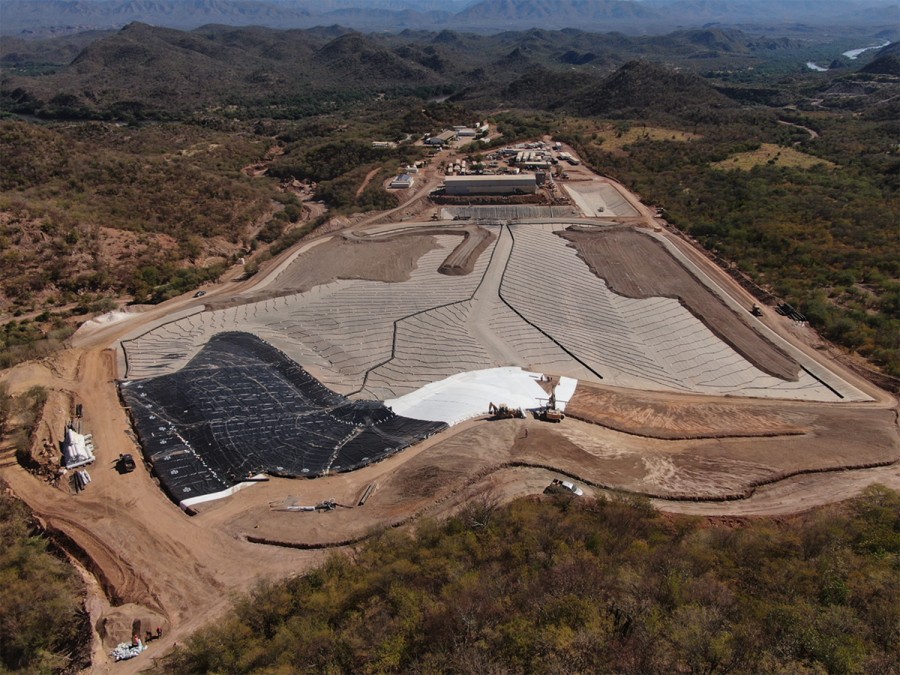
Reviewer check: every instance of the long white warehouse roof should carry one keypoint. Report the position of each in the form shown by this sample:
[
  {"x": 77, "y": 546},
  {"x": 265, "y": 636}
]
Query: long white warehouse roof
[{"x": 518, "y": 179}]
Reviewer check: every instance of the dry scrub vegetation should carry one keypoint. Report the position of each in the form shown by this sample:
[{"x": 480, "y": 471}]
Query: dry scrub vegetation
[
  {"x": 771, "y": 154},
  {"x": 556, "y": 585},
  {"x": 617, "y": 137},
  {"x": 825, "y": 240},
  {"x": 43, "y": 625},
  {"x": 101, "y": 208}
]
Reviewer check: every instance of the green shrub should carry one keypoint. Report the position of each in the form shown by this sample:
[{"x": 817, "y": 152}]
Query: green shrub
[
  {"x": 43, "y": 626},
  {"x": 561, "y": 585}
]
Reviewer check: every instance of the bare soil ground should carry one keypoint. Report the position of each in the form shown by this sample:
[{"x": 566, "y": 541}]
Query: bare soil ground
[
  {"x": 671, "y": 416},
  {"x": 154, "y": 562},
  {"x": 340, "y": 258},
  {"x": 144, "y": 551},
  {"x": 437, "y": 476},
  {"x": 462, "y": 258},
  {"x": 636, "y": 266}
]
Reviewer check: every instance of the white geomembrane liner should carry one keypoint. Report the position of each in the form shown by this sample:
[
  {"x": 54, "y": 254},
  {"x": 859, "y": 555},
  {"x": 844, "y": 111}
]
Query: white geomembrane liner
[
  {"x": 466, "y": 395},
  {"x": 185, "y": 503}
]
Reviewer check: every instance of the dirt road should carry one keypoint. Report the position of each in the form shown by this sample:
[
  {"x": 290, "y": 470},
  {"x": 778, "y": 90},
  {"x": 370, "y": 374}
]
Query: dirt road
[{"x": 367, "y": 180}]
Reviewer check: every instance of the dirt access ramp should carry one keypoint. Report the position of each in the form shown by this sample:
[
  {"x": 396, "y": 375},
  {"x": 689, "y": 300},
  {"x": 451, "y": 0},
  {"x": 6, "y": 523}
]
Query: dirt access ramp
[{"x": 673, "y": 416}]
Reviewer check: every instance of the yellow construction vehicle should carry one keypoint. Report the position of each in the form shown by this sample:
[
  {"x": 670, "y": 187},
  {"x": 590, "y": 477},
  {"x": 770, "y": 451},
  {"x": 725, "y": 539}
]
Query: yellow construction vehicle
[
  {"x": 550, "y": 413},
  {"x": 502, "y": 411}
]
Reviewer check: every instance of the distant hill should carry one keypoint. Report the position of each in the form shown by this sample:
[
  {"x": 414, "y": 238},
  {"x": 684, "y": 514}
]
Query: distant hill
[
  {"x": 772, "y": 12},
  {"x": 545, "y": 89},
  {"x": 163, "y": 69},
  {"x": 60, "y": 15},
  {"x": 889, "y": 64},
  {"x": 890, "y": 49},
  {"x": 355, "y": 58},
  {"x": 640, "y": 88},
  {"x": 58, "y": 50},
  {"x": 142, "y": 71},
  {"x": 392, "y": 19},
  {"x": 872, "y": 90}
]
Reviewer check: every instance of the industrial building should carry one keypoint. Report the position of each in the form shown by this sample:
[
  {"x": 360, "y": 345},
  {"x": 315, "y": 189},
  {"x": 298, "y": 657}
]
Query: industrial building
[
  {"x": 490, "y": 185},
  {"x": 442, "y": 138},
  {"x": 402, "y": 182}
]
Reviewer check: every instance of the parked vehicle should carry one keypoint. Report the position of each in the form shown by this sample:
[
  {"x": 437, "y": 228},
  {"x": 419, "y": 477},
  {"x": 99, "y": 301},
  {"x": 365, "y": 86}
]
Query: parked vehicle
[
  {"x": 567, "y": 486},
  {"x": 126, "y": 463}
]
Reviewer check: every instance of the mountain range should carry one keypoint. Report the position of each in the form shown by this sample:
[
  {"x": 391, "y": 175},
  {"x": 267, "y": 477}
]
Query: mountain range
[
  {"x": 47, "y": 17},
  {"x": 144, "y": 71}
]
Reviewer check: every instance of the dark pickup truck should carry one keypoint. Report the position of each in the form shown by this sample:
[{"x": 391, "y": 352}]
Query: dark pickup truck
[{"x": 126, "y": 464}]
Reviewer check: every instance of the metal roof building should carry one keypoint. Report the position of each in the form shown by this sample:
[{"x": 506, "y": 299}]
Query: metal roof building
[
  {"x": 442, "y": 138},
  {"x": 490, "y": 185},
  {"x": 403, "y": 181}
]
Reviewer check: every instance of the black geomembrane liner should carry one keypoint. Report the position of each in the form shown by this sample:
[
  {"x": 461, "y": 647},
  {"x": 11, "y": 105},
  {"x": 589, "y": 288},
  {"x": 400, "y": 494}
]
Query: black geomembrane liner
[{"x": 240, "y": 407}]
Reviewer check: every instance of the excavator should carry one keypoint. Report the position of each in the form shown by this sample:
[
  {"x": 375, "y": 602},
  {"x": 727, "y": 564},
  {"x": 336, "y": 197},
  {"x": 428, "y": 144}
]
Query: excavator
[
  {"x": 550, "y": 413},
  {"x": 502, "y": 411}
]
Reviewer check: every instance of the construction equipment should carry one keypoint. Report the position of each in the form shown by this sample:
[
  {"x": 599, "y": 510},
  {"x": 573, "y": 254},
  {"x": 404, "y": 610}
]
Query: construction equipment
[
  {"x": 327, "y": 505},
  {"x": 558, "y": 486},
  {"x": 550, "y": 413},
  {"x": 290, "y": 505},
  {"x": 502, "y": 411}
]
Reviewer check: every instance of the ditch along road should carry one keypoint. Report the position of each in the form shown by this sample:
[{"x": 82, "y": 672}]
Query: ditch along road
[{"x": 150, "y": 559}]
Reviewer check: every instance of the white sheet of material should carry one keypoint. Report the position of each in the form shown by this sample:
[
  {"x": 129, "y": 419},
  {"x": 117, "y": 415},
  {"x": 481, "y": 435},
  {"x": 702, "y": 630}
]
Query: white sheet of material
[
  {"x": 466, "y": 395},
  {"x": 186, "y": 503},
  {"x": 564, "y": 391}
]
